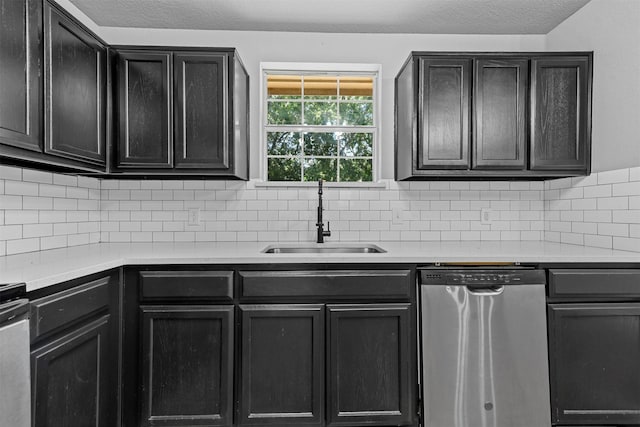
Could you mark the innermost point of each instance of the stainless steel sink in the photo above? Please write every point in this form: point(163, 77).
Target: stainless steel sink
point(324, 248)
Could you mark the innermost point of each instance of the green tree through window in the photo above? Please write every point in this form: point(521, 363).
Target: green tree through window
point(320, 127)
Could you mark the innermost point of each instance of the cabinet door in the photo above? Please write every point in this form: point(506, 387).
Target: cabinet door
point(71, 376)
point(500, 125)
point(144, 110)
point(75, 90)
point(594, 351)
point(20, 73)
point(561, 113)
point(282, 365)
point(371, 367)
point(444, 131)
point(201, 105)
point(187, 370)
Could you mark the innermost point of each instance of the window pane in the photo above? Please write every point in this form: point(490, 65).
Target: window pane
point(321, 144)
point(315, 169)
point(284, 86)
point(320, 113)
point(354, 170)
point(356, 87)
point(284, 169)
point(321, 86)
point(283, 143)
point(356, 113)
point(356, 144)
point(284, 113)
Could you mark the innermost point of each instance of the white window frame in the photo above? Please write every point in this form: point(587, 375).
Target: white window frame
point(373, 70)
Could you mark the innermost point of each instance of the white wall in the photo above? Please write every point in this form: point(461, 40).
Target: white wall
point(611, 28)
point(389, 50)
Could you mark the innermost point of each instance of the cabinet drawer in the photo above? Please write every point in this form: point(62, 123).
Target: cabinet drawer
point(56, 311)
point(594, 283)
point(186, 285)
point(338, 284)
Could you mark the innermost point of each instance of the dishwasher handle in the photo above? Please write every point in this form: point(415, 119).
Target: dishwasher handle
point(485, 291)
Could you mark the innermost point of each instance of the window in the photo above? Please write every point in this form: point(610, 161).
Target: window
point(320, 122)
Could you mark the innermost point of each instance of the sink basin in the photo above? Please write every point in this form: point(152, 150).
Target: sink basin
point(324, 248)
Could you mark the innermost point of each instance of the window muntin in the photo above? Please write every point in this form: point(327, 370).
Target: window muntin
point(320, 125)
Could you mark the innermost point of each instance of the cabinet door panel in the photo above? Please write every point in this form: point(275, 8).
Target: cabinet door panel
point(561, 109)
point(20, 84)
point(187, 365)
point(594, 351)
point(282, 368)
point(70, 379)
point(75, 88)
point(369, 365)
point(201, 99)
point(500, 132)
point(444, 109)
point(145, 135)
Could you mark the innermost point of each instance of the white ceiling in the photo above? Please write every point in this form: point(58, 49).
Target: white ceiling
point(337, 16)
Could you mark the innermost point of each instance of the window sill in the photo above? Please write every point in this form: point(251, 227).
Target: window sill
point(310, 184)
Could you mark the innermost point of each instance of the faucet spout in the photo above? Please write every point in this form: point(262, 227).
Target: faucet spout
point(322, 233)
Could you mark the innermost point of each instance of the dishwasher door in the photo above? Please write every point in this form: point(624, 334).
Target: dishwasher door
point(484, 354)
point(15, 384)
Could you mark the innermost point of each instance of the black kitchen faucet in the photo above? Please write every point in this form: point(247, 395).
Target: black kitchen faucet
point(321, 232)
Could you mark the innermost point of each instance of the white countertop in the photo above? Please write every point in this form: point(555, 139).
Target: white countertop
point(45, 268)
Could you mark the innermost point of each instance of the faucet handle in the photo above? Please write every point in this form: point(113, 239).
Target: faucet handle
point(327, 232)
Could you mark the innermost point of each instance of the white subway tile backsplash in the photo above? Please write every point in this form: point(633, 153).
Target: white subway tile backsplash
point(600, 210)
point(21, 188)
point(22, 245)
point(609, 177)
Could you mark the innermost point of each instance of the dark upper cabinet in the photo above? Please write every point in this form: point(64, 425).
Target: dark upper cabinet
point(144, 110)
point(282, 365)
point(182, 112)
point(443, 111)
point(516, 115)
point(500, 119)
point(561, 113)
point(21, 74)
point(187, 365)
point(75, 81)
point(201, 90)
point(594, 349)
point(369, 375)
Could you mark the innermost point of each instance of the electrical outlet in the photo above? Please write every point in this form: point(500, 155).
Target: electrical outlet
point(486, 216)
point(397, 216)
point(193, 216)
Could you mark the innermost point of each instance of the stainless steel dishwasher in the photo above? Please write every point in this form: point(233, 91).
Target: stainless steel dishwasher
point(484, 347)
point(15, 385)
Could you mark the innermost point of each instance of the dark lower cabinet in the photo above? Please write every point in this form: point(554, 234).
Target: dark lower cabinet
point(282, 365)
point(594, 346)
point(369, 376)
point(595, 352)
point(75, 82)
point(75, 349)
point(251, 346)
point(71, 378)
point(187, 366)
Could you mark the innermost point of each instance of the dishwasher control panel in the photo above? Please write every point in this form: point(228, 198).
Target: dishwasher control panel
point(481, 277)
